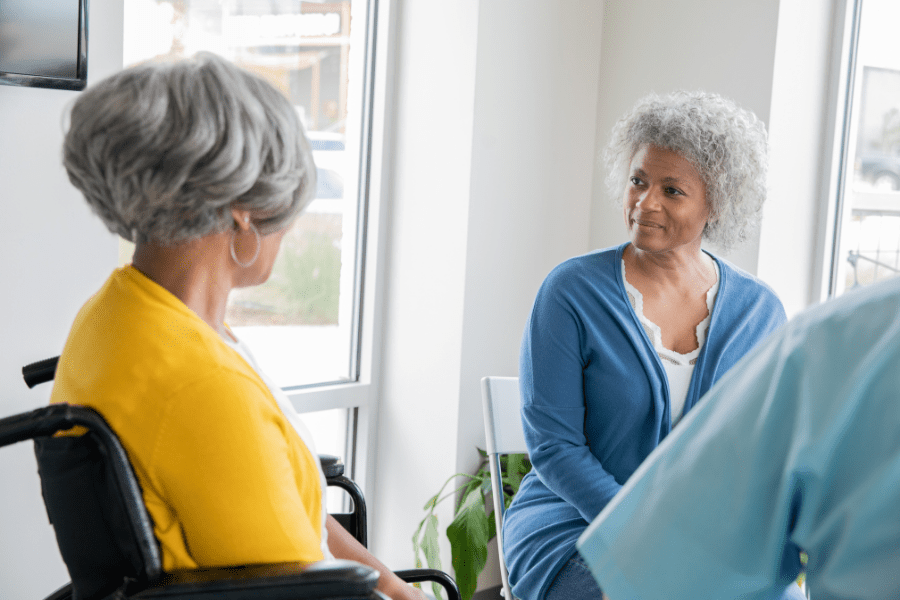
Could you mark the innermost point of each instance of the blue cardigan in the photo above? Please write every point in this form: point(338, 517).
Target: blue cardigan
point(595, 399)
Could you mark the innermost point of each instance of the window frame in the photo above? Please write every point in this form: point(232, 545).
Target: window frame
point(841, 95)
point(359, 397)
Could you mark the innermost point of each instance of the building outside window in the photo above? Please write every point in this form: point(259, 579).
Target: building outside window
point(867, 221)
point(303, 325)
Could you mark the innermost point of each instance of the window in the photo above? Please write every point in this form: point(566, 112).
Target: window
point(304, 324)
point(867, 220)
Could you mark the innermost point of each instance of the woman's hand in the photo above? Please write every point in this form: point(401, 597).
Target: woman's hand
point(402, 590)
point(344, 545)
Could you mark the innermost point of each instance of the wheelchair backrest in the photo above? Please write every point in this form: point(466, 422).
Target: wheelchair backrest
point(94, 503)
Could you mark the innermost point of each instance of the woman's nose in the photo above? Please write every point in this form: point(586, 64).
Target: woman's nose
point(648, 199)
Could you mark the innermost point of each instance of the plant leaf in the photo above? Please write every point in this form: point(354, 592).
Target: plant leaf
point(485, 486)
point(432, 501)
point(517, 465)
point(431, 550)
point(468, 535)
point(472, 484)
point(492, 527)
point(415, 542)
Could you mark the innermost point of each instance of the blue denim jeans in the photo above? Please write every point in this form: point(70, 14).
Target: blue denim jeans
point(573, 582)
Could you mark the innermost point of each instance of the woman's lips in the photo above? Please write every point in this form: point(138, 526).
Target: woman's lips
point(649, 224)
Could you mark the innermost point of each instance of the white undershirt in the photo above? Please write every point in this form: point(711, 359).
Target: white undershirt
point(294, 419)
point(679, 367)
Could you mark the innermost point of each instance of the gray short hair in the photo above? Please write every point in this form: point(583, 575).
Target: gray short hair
point(725, 143)
point(163, 151)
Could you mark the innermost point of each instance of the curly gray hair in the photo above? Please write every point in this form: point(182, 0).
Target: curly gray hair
point(164, 151)
point(726, 144)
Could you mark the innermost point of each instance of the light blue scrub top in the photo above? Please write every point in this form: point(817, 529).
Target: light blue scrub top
point(798, 446)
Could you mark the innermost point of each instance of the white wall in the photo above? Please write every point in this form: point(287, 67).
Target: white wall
point(792, 244)
point(493, 154)
point(727, 47)
point(55, 254)
point(417, 420)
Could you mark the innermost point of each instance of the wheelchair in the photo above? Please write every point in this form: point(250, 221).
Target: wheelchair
point(105, 534)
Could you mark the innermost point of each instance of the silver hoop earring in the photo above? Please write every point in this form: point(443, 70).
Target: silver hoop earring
point(255, 254)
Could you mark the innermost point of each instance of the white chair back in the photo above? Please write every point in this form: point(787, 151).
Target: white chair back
point(502, 417)
point(504, 435)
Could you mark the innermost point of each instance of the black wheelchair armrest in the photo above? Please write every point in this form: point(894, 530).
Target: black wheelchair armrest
point(356, 522)
point(421, 575)
point(64, 593)
point(40, 371)
point(287, 581)
point(332, 466)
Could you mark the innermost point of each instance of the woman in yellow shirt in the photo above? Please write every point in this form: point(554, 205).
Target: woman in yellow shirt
point(203, 166)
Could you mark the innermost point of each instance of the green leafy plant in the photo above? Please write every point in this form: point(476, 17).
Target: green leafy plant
point(473, 526)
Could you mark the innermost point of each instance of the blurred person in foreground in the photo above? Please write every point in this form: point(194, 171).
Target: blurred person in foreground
point(622, 342)
point(204, 167)
point(796, 448)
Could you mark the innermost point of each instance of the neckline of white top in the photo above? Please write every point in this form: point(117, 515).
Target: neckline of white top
point(655, 333)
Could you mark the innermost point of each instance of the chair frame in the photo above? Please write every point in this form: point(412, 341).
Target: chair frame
point(503, 435)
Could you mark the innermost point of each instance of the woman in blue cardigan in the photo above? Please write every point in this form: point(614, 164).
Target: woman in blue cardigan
point(622, 342)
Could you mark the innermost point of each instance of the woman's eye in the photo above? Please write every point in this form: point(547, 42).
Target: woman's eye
point(635, 180)
point(673, 191)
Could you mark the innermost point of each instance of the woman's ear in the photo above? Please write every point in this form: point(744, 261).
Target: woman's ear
point(241, 218)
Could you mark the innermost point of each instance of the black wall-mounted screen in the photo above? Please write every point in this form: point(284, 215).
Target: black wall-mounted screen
point(43, 43)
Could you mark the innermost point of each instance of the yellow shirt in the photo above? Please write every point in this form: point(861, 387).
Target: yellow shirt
point(225, 477)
